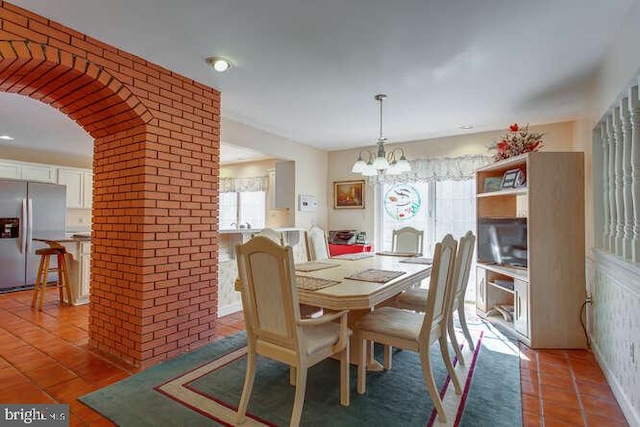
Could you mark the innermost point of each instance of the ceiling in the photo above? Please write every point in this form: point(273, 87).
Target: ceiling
point(308, 70)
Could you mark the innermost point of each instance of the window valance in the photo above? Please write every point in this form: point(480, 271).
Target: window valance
point(236, 185)
point(438, 169)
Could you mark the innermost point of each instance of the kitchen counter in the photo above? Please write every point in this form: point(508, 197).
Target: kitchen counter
point(78, 246)
point(63, 237)
point(228, 298)
point(240, 230)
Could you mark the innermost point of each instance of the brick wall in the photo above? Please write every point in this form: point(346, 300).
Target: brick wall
point(156, 167)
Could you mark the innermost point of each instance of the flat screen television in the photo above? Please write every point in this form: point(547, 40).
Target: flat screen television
point(502, 241)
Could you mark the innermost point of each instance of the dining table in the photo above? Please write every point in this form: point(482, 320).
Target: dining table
point(359, 283)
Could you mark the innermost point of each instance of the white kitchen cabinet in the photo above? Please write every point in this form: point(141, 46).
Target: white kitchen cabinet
point(79, 184)
point(9, 170)
point(27, 171)
point(87, 189)
point(285, 194)
point(42, 173)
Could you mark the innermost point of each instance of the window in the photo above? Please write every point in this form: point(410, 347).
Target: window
point(228, 208)
point(437, 207)
point(242, 208)
point(404, 205)
point(252, 208)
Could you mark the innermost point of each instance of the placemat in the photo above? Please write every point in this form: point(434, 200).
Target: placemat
point(313, 283)
point(313, 266)
point(375, 275)
point(402, 254)
point(355, 256)
point(418, 260)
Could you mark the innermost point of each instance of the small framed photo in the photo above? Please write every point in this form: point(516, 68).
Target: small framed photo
point(492, 183)
point(510, 178)
point(348, 194)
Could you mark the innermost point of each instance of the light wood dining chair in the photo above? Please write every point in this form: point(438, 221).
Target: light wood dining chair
point(272, 234)
point(316, 242)
point(394, 327)
point(275, 236)
point(415, 298)
point(275, 329)
point(407, 239)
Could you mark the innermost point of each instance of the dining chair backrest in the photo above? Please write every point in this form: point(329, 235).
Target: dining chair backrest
point(463, 268)
point(440, 289)
point(407, 239)
point(271, 307)
point(317, 246)
point(270, 233)
point(270, 297)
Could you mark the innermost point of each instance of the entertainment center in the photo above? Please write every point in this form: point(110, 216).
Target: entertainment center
point(531, 262)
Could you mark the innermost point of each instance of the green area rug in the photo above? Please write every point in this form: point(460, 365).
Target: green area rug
point(203, 387)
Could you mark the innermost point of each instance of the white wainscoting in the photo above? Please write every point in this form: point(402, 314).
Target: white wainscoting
point(614, 326)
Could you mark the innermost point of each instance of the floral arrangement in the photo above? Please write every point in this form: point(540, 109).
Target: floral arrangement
point(517, 141)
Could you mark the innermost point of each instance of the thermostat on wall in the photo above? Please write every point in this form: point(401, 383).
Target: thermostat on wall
point(307, 202)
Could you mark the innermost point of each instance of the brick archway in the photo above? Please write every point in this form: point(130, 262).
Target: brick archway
point(154, 242)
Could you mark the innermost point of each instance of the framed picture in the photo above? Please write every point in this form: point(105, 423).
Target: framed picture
point(492, 183)
point(511, 178)
point(348, 194)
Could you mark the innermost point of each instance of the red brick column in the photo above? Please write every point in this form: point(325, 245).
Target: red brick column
point(156, 167)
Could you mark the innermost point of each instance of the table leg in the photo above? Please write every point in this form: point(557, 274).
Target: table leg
point(354, 344)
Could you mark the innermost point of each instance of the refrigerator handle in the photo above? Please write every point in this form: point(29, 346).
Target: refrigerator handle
point(23, 227)
point(30, 225)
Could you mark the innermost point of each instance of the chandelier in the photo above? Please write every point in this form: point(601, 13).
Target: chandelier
point(381, 163)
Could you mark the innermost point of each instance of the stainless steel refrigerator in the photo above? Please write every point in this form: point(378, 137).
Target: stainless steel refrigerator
point(27, 210)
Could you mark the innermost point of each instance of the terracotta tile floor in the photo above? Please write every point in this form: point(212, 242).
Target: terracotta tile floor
point(44, 358)
point(565, 388)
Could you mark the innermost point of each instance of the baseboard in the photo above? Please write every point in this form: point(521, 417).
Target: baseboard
point(229, 309)
point(633, 417)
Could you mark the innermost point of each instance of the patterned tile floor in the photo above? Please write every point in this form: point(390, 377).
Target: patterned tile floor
point(44, 358)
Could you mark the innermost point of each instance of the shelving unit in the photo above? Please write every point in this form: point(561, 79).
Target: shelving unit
point(547, 295)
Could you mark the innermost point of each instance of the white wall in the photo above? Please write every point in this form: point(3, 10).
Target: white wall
point(620, 64)
point(613, 320)
point(45, 157)
point(311, 165)
point(247, 170)
point(557, 137)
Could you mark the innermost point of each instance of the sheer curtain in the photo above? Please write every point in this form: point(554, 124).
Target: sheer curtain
point(437, 169)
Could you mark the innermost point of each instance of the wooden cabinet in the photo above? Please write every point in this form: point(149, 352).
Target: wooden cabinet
point(539, 289)
point(27, 171)
point(79, 183)
point(481, 290)
point(521, 306)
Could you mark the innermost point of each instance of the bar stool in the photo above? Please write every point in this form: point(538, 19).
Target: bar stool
point(43, 273)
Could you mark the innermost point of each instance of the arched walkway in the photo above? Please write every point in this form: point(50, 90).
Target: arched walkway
point(154, 242)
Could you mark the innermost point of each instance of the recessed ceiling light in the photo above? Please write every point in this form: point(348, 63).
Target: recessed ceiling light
point(6, 137)
point(219, 63)
point(465, 127)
